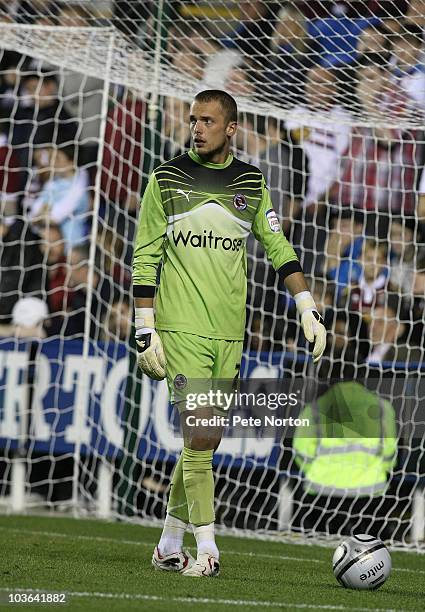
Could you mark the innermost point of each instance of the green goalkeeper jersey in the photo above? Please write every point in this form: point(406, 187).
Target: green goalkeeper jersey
point(195, 217)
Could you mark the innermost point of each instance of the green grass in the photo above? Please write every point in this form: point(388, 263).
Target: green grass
point(106, 566)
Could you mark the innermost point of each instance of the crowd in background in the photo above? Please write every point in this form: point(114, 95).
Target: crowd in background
point(351, 196)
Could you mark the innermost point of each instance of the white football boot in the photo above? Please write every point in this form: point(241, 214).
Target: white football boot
point(176, 562)
point(205, 565)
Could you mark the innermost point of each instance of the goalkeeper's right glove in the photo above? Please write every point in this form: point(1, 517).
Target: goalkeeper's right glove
point(150, 353)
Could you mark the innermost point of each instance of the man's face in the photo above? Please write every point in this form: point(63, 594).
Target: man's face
point(189, 64)
point(238, 82)
point(407, 53)
point(401, 237)
point(416, 11)
point(209, 128)
point(320, 88)
point(43, 91)
point(369, 84)
point(372, 261)
point(371, 41)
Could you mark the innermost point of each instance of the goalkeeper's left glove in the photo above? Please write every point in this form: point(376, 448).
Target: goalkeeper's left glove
point(311, 322)
point(150, 353)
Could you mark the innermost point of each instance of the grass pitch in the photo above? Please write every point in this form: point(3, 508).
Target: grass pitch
point(106, 566)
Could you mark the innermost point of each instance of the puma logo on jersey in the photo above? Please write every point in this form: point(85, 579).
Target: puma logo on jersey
point(185, 193)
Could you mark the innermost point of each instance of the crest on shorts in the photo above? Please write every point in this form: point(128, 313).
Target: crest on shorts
point(239, 202)
point(180, 381)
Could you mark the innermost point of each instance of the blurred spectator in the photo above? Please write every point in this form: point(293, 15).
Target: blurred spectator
point(374, 39)
point(130, 15)
point(373, 283)
point(52, 246)
point(82, 94)
point(386, 331)
point(7, 12)
point(417, 305)
point(322, 129)
point(20, 264)
point(64, 198)
point(262, 141)
point(193, 37)
point(343, 249)
point(74, 15)
point(10, 173)
point(110, 257)
point(10, 65)
point(39, 174)
point(392, 13)
point(402, 254)
point(83, 100)
point(323, 294)
point(37, 12)
point(75, 318)
point(336, 38)
point(40, 117)
point(341, 343)
point(121, 179)
point(176, 127)
point(240, 81)
point(28, 315)
point(416, 13)
point(259, 332)
point(380, 167)
point(190, 64)
point(119, 320)
point(252, 35)
point(293, 53)
point(406, 66)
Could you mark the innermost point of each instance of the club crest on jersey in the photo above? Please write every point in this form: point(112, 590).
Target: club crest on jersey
point(239, 202)
point(271, 217)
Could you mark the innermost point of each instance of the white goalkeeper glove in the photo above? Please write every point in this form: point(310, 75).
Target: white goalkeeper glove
point(150, 353)
point(311, 322)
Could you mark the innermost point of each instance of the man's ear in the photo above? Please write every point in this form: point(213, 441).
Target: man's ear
point(231, 129)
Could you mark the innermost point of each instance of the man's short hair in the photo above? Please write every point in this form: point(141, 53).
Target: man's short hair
point(377, 60)
point(336, 214)
point(227, 103)
point(410, 32)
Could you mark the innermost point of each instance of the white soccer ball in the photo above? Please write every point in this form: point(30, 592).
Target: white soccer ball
point(361, 562)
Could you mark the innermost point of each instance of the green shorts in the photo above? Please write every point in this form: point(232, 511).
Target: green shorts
point(197, 365)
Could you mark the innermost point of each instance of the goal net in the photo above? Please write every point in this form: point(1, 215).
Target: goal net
point(94, 96)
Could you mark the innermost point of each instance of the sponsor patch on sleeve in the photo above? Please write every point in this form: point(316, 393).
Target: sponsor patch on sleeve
point(271, 217)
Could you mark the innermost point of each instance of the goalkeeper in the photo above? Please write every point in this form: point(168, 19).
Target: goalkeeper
point(196, 214)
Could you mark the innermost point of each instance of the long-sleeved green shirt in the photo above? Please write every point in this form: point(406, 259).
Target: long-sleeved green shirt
point(195, 217)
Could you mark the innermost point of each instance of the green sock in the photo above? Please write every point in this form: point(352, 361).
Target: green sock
point(177, 504)
point(199, 485)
